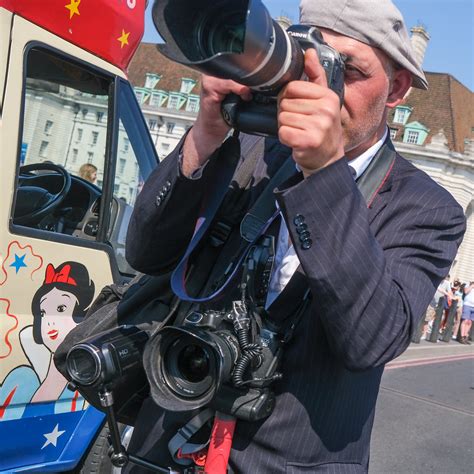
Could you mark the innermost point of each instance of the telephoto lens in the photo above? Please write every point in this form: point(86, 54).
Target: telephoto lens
point(230, 39)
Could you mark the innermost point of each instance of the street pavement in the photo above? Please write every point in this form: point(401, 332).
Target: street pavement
point(424, 421)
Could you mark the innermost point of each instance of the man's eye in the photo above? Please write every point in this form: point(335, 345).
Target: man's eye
point(350, 70)
point(42, 312)
point(355, 73)
point(61, 308)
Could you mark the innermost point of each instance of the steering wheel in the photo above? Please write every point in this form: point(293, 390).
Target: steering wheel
point(33, 203)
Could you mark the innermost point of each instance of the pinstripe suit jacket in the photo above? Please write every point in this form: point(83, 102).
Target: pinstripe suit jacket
point(372, 273)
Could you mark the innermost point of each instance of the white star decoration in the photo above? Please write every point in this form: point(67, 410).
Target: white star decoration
point(52, 438)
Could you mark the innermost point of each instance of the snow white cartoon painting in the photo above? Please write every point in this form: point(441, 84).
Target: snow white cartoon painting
point(58, 306)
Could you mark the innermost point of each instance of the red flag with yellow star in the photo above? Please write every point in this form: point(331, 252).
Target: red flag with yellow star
point(111, 29)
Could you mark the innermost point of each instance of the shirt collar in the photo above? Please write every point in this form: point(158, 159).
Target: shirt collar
point(359, 164)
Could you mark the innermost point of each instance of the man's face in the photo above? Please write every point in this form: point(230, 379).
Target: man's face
point(366, 91)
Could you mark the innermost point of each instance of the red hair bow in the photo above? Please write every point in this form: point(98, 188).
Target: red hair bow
point(62, 276)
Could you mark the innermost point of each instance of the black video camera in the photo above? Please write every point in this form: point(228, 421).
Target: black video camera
point(106, 358)
point(238, 40)
point(111, 361)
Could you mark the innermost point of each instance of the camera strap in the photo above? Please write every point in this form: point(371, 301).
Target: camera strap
point(259, 228)
point(186, 453)
point(377, 173)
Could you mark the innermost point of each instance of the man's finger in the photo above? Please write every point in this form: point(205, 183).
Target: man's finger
point(223, 87)
point(300, 106)
point(313, 69)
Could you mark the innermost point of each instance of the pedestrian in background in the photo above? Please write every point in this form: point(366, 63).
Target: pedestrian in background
point(467, 313)
point(443, 291)
point(457, 291)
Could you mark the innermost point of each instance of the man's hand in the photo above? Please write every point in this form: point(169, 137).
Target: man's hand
point(309, 119)
point(210, 128)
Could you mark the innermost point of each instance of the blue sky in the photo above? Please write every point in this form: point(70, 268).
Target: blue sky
point(450, 24)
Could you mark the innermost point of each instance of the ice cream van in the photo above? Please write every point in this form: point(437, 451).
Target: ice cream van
point(74, 152)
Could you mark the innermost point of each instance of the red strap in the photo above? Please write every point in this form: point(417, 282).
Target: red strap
point(220, 444)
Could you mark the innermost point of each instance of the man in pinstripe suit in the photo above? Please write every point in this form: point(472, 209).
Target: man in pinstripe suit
point(372, 271)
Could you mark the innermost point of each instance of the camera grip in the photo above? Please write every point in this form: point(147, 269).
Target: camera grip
point(257, 117)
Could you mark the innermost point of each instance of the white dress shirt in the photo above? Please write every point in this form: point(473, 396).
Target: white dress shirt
point(286, 259)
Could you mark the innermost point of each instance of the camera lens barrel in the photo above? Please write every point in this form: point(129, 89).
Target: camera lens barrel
point(188, 368)
point(284, 62)
point(84, 364)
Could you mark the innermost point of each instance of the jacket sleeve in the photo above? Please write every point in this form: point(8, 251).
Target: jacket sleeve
point(165, 214)
point(371, 287)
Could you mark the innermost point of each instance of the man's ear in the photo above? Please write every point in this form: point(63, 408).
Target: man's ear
point(399, 86)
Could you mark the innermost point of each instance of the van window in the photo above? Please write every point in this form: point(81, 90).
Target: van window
point(62, 151)
point(78, 127)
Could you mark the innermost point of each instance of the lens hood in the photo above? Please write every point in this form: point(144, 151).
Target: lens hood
point(186, 366)
point(230, 39)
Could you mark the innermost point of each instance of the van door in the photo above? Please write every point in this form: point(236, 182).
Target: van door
point(75, 151)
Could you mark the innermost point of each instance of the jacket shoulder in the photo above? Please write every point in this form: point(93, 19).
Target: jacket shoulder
point(415, 186)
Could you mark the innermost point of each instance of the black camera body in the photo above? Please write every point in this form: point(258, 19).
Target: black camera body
point(212, 360)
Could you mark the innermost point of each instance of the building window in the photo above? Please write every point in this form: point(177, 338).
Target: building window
point(151, 80)
point(90, 157)
point(126, 144)
point(193, 105)
point(139, 95)
point(48, 126)
point(79, 134)
point(122, 164)
point(116, 188)
point(170, 127)
point(99, 116)
point(165, 147)
point(152, 124)
point(84, 113)
point(155, 100)
point(75, 152)
point(393, 133)
point(187, 85)
point(94, 138)
point(43, 151)
point(173, 102)
point(401, 115)
point(412, 137)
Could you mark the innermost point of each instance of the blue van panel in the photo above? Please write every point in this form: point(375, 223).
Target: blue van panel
point(50, 443)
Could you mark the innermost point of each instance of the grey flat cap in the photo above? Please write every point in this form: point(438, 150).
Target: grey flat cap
point(377, 23)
